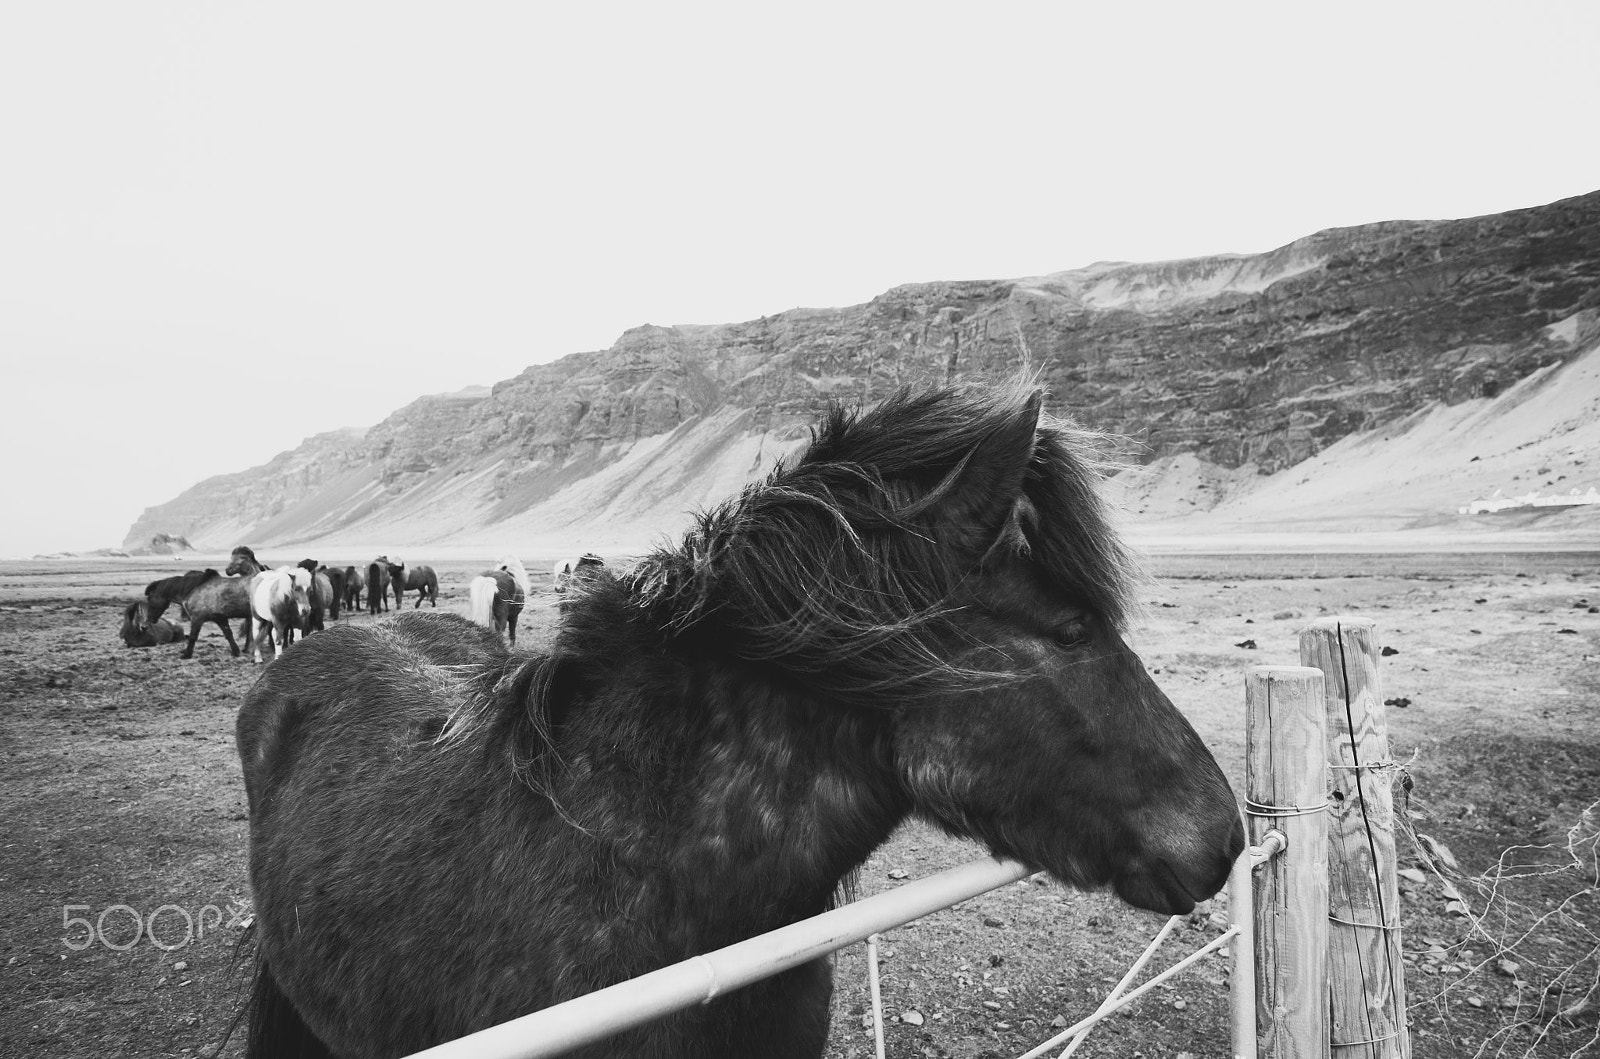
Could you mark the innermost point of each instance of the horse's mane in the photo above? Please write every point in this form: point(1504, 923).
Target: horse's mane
point(837, 564)
point(513, 566)
point(180, 586)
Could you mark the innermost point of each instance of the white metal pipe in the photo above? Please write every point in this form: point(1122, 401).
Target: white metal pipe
point(598, 1015)
point(1127, 979)
point(1110, 1007)
point(877, 996)
point(1242, 980)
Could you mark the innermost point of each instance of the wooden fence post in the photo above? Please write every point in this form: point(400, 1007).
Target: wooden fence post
point(1286, 790)
point(1366, 979)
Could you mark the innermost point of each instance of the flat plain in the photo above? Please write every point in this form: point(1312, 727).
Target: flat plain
point(120, 799)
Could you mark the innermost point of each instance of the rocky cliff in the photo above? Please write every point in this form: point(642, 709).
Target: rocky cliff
point(1245, 363)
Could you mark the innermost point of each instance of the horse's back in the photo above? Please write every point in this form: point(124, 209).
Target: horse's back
point(379, 676)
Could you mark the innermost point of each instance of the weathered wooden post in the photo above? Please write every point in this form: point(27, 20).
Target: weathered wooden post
point(1286, 791)
point(1366, 979)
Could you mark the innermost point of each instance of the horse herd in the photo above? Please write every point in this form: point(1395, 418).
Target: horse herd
point(277, 604)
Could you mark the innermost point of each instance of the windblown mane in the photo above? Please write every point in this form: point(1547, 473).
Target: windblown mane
point(803, 566)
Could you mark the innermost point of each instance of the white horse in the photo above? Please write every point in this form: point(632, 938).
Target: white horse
point(277, 599)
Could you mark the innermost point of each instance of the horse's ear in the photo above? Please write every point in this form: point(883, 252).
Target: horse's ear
point(975, 502)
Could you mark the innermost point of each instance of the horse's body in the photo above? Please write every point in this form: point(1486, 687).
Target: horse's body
point(320, 597)
point(378, 585)
point(277, 599)
point(139, 631)
point(421, 578)
point(335, 577)
point(921, 616)
point(569, 575)
point(204, 596)
point(354, 582)
point(495, 598)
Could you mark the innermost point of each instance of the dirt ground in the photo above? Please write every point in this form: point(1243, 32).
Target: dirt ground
point(121, 799)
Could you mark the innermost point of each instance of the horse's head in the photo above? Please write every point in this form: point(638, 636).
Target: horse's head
point(945, 559)
point(307, 564)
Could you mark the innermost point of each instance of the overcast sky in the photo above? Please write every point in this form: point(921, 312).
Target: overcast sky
point(227, 226)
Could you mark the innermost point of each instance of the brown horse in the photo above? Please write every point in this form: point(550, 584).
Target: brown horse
point(203, 596)
point(421, 578)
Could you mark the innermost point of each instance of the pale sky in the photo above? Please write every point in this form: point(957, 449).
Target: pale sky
point(227, 226)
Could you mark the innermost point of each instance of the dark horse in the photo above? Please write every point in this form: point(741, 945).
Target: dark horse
point(335, 578)
point(139, 631)
point(354, 582)
point(204, 596)
point(422, 578)
point(495, 598)
point(921, 615)
point(320, 597)
point(378, 585)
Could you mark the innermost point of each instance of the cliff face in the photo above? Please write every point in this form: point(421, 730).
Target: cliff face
point(1241, 361)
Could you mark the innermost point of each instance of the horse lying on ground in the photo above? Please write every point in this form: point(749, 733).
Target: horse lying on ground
point(421, 578)
point(139, 631)
point(495, 598)
point(921, 615)
point(204, 596)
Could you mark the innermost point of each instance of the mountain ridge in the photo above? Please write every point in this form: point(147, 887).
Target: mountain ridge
point(1256, 362)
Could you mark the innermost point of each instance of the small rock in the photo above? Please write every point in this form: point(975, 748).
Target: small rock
point(1574, 632)
point(1002, 1025)
point(1475, 1001)
point(181, 965)
point(1509, 968)
point(992, 1005)
point(911, 1018)
point(993, 921)
point(1059, 1022)
point(1400, 701)
point(1248, 645)
point(1180, 1005)
point(1387, 651)
point(898, 873)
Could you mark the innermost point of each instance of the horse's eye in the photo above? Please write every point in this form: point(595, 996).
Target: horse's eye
point(1073, 633)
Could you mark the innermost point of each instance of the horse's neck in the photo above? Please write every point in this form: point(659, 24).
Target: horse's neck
point(746, 791)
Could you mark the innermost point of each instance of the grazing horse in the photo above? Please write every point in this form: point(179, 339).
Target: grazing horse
point(203, 596)
point(319, 596)
point(570, 574)
point(496, 597)
point(921, 615)
point(139, 631)
point(354, 582)
point(421, 578)
point(378, 585)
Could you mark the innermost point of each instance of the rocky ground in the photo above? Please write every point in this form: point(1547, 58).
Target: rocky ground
point(122, 799)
